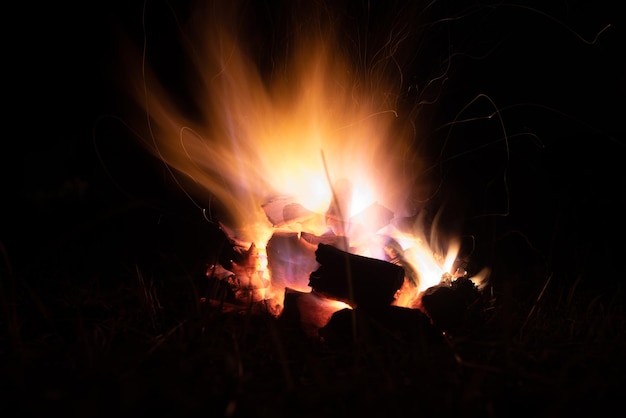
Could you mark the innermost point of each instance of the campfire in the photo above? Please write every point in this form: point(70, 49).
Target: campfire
point(316, 173)
point(318, 275)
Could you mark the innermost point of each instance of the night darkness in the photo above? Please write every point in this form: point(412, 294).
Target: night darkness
point(85, 204)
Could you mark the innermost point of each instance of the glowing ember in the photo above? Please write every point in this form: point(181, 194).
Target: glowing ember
point(315, 153)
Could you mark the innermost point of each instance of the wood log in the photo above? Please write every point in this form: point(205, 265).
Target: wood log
point(290, 260)
point(456, 308)
point(377, 325)
point(354, 279)
point(306, 312)
point(336, 241)
point(281, 211)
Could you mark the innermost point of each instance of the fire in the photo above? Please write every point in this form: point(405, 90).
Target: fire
point(316, 149)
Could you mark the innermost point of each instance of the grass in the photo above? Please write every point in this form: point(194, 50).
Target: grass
point(88, 334)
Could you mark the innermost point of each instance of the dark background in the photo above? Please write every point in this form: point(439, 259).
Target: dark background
point(83, 199)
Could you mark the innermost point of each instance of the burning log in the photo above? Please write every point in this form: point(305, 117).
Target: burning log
point(307, 312)
point(282, 211)
point(453, 306)
point(354, 279)
point(237, 279)
point(328, 239)
point(290, 260)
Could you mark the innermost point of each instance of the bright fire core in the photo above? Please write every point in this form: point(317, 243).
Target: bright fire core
point(319, 135)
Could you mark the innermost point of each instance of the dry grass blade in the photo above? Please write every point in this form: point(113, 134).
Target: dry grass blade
point(536, 304)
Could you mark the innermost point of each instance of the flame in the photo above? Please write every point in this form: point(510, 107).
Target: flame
point(319, 134)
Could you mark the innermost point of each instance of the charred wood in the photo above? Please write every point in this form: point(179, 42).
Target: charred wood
point(455, 308)
point(381, 324)
point(306, 311)
point(354, 279)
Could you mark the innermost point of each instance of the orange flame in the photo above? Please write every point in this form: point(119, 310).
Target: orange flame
point(298, 136)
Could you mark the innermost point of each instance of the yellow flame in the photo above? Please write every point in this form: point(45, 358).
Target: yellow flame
point(295, 135)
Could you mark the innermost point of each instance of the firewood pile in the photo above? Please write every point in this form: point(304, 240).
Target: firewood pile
point(328, 290)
